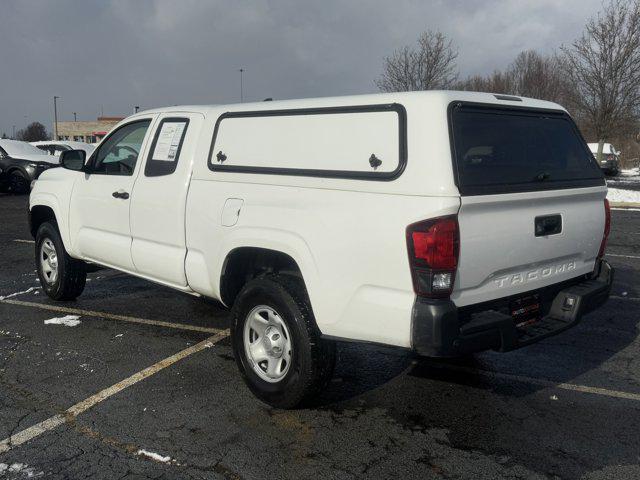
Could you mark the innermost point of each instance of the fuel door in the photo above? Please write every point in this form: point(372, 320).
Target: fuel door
point(231, 211)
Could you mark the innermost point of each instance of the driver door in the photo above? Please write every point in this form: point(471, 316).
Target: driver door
point(99, 211)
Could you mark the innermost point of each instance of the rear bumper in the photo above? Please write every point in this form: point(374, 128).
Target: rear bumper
point(440, 329)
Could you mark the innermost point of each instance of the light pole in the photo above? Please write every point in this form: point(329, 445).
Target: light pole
point(241, 92)
point(13, 136)
point(55, 116)
point(137, 107)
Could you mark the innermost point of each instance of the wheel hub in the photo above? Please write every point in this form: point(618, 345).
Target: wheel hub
point(273, 341)
point(48, 261)
point(267, 344)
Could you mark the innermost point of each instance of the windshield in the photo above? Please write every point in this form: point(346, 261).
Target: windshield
point(15, 148)
point(501, 150)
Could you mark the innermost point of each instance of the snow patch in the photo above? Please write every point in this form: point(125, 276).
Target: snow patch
point(632, 172)
point(28, 290)
point(67, 321)
point(21, 468)
point(153, 456)
point(619, 195)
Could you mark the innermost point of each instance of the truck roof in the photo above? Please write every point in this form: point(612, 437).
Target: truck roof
point(438, 96)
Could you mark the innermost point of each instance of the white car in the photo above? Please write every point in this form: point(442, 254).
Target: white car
point(610, 163)
point(442, 222)
point(55, 147)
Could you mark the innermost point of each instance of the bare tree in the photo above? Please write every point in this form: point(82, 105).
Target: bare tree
point(537, 76)
point(430, 65)
point(497, 82)
point(603, 67)
point(529, 75)
point(33, 132)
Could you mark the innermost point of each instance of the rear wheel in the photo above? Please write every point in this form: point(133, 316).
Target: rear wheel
point(276, 343)
point(61, 277)
point(18, 183)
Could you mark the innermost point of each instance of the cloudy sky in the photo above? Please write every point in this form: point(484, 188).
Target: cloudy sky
point(111, 55)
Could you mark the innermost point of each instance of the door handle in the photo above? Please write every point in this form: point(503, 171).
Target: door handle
point(120, 194)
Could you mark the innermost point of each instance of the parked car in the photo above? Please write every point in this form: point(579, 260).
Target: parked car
point(610, 163)
point(55, 147)
point(442, 222)
point(20, 164)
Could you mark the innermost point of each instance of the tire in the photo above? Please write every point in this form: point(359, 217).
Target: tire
point(70, 274)
point(18, 183)
point(312, 359)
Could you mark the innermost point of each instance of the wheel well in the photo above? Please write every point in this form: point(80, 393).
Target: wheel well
point(14, 169)
point(246, 263)
point(38, 215)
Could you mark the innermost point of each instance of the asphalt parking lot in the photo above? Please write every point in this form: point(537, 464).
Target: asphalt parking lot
point(146, 387)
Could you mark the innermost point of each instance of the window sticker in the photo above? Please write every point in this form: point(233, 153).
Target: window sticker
point(168, 141)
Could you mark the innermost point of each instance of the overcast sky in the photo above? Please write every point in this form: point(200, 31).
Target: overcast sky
point(112, 55)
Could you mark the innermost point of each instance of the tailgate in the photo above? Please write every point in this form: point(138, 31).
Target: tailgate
point(532, 201)
point(500, 254)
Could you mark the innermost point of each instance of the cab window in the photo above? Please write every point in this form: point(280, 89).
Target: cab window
point(118, 154)
point(166, 147)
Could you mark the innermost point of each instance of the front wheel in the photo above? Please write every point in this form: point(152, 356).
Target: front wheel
point(61, 277)
point(276, 343)
point(18, 183)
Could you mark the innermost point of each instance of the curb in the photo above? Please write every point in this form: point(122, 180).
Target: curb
point(625, 204)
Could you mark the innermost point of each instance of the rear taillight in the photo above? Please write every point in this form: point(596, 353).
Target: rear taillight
point(607, 228)
point(433, 255)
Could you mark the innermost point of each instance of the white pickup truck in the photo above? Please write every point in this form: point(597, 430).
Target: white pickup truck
point(442, 222)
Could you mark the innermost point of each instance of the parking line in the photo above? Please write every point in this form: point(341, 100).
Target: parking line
point(625, 256)
point(112, 316)
point(619, 297)
point(19, 240)
point(81, 407)
point(541, 382)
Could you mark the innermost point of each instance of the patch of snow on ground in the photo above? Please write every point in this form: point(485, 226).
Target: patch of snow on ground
point(28, 290)
point(67, 321)
point(154, 456)
point(21, 468)
point(632, 172)
point(619, 195)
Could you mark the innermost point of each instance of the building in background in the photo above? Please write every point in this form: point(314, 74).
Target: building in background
point(89, 132)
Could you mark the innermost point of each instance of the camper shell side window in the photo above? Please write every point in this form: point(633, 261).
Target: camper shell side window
point(356, 142)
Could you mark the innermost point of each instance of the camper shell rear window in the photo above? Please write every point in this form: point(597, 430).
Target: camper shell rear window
point(506, 149)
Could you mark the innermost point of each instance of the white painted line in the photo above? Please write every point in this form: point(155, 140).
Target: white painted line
point(624, 256)
point(542, 382)
point(19, 240)
point(28, 290)
point(81, 407)
point(619, 297)
point(111, 316)
point(626, 209)
point(30, 433)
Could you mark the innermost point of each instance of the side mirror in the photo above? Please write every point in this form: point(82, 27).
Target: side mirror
point(73, 159)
